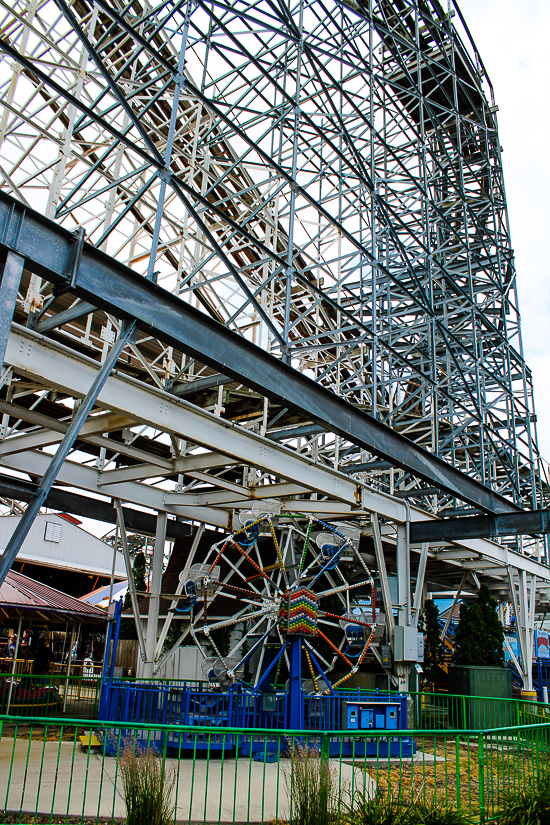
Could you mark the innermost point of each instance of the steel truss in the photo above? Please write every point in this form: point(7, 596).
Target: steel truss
point(325, 182)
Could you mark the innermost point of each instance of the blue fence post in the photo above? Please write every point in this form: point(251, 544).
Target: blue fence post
point(107, 673)
point(295, 710)
point(116, 617)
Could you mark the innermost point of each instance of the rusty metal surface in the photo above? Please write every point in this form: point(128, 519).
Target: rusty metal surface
point(19, 592)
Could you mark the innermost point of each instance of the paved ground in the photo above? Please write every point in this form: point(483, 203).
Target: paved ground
point(60, 778)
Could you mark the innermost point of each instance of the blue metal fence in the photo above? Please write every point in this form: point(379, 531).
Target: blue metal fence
point(181, 703)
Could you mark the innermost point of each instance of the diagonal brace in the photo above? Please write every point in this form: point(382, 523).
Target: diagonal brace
point(32, 508)
point(64, 317)
point(131, 582)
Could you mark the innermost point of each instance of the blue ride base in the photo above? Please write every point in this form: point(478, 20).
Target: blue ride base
point(242, 707)
point(254, 709)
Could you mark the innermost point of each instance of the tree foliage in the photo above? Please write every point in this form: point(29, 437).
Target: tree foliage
point(127, 626)
point(138, 571)
point(479, 635)
point(433, 646)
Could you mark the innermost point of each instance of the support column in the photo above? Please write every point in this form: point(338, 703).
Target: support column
point(419, 587)
point(403, 576)
point(526, 625)
point(9, 284)
point(68, 668)
point(154, 596)
point(26, 521)
point(383, 573)
point(14, 664)
point(295, 703)
point(403, 669)
point(130, 576)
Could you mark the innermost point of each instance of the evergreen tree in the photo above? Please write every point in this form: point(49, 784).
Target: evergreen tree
point(127, 626)
point(433, 646)
point(479, 635)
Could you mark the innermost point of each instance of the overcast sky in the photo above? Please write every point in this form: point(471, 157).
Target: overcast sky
point(512, 39)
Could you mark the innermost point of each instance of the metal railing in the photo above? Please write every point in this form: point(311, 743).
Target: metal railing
point(25, 666)
point(176, 703)
point(183, 702)
point(439, 711)
point(55, 768)
point(27, 695)
point(79, 697)
point(447, 711)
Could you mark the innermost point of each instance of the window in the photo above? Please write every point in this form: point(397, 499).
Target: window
point(52, 532)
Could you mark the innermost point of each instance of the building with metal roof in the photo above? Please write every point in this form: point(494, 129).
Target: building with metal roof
point(61, 554)
point(22, 596)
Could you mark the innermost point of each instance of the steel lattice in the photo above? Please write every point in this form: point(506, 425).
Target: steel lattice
point(323, 178)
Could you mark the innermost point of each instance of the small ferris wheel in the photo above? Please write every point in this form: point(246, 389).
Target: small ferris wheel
point(293, 598)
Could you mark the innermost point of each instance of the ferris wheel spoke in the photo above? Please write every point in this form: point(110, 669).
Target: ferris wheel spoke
point(343, 596)
point(239, 596)
point(249, 653)
point(318, 655)
point(236, 569)
point(312, 563)
point(335, 648)
point(242, 641)
point(328, 622)
point(278, 550)
point(255, 565)
point(195, 638)
point(340, 589)
point(207, 629)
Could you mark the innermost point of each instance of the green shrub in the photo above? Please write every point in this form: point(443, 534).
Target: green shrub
point(479, 638)
point(312, 786)
point(434, 812)
point(388, 809)
point(147, 787)
point(529, 805)
point(380, 809)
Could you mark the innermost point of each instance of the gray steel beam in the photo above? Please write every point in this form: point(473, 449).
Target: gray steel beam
point(365, 467)
point(114, 287)
point(504, 524)
point(9, 284)
point(65, 369)
point(46, 482)
point(296, 432)
point(57, 499)
point(153, 610)
point(200, 385)
point(130, 576)
point(71, 314)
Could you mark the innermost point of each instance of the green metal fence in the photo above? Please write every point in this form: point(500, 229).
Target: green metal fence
point(443, 710)
point(29, 695)
point(51, 770)
point(446, 711)
point(78, 697)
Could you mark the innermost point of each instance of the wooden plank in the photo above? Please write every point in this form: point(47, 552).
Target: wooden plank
point(89, 741)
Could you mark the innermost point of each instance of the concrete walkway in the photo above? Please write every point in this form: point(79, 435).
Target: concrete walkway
point(61, 779)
